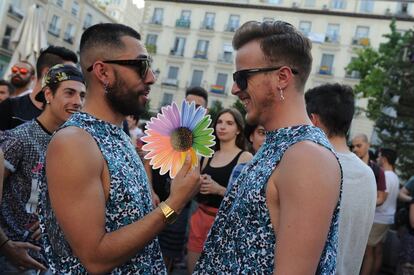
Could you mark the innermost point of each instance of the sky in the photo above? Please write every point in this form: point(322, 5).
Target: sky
point(139, 3)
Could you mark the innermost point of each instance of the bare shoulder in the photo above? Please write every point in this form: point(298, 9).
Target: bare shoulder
point(307, 161)
point(245, 157)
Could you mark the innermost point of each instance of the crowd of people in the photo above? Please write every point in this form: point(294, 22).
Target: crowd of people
point(284, 192)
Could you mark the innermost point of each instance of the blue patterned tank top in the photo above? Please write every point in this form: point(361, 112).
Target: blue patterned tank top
point(242, 239)
point(129, 200)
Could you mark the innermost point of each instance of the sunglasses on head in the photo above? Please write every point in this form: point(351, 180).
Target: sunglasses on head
point(141, 64)
point(21, 70)
point(241, 77)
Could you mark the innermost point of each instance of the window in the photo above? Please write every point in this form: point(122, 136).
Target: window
point(208, 22)
point(197, 78)
point(5, 43)
point(305, 27)
point(274, 1)
point(362, 32)
point(227, 55)
point(157, 16)
point(59, 3)
point(326, 64)
point(234, 21)
point(88, 21)
point(332, 33)
point(179, 45)
point(167, 99)
point(184, 20)
point(338, 4)
point(151, 39)
point(185, 15)
point(309, 3)
point(202, 48)
point(268, 19)
point(404, 8)
point(173, 72)
point(69, 33)
point(222, 80)
point(366, 6)
point(75, 8)
point(54, 25)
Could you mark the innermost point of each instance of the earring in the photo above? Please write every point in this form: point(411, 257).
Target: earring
point(282, 98)
point(47, 102)
point(106, 85)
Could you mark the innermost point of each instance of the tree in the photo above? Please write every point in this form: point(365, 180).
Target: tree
point(215, 108)
point(387, 80)
point(240, 107)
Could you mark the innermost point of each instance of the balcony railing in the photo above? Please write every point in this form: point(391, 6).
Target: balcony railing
point(175, 52)
point(332, 39)
point(183, 23)
point(207, 26)
point(225, 58)
point(230, 28)
point(170, 82)
point(325, 70)
point(361, 41)
point(68, 38)
point(156, 21)
point(353, 75)
point(200, 54)
point(151, 48)
point(54, 30)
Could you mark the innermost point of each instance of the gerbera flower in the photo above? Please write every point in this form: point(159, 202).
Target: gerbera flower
point(174, 134)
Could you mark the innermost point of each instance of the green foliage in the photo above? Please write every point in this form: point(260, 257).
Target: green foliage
point(240, 107)
point(215, 108)
point(387, 80)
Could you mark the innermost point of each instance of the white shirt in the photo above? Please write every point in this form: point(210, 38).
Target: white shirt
point(384, 214)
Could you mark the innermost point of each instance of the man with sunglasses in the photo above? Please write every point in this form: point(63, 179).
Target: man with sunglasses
point(96, 208)
point(22, 76)
point(280, 215)
point(17, 110)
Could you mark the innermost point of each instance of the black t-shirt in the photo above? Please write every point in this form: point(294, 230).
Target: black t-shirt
point(17, 110)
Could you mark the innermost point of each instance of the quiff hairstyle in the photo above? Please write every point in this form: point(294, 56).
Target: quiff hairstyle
point(281, 43)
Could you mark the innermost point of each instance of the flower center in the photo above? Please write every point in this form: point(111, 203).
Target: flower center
point(181, 139)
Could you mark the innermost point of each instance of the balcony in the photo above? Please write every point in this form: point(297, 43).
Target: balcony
point(200, 54)
point(175, 52)
point(226, 58)
point(156, 21)
point(207, 26)
point(53, 30)
point(68, 38)
point(170, 82)
point(334, 39)
point(353, 75)
point(183, 23)
point(15, 12)
point(230, 28)
point(151, 48)
point(325, 70)
point(361, 41)
point(217, 89)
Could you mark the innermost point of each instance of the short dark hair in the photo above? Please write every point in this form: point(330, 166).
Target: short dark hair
point(238, 118)
point(104, 37)
point(52, 56)
point(197, 91)
point(335, 105)
point(281, 43)
point(8, 84)
point(389, 154)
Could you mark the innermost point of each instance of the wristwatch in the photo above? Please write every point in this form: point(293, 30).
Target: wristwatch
point(169, 213)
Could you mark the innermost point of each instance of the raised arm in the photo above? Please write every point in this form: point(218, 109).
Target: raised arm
point(75, 171)
point(306, 188)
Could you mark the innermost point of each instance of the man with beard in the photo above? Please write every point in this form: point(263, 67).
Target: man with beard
point(280, 215)
point(17, 110)
point(96, 212)
point(22, 76)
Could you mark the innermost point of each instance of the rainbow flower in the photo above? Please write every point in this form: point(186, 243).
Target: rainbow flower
point(174, 134)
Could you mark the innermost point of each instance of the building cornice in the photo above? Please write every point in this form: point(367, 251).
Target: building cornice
point(292, 9)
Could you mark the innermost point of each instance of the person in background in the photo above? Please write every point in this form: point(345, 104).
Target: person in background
point(407, 191)
point(6, 90)
point(22, 77)
point(331, 108)
point(230, 150)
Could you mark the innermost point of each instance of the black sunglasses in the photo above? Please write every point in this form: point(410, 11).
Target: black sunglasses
point(142, 64)
point(240, 77)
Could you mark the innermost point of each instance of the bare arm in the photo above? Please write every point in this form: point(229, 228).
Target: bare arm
point(405, 195)
point(411, 217)
point(381, 197)
point(77, 197)
point(306, 184)
point(245, 157)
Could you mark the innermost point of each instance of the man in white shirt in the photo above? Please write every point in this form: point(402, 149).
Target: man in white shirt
point(331, 108)
point(384, 214)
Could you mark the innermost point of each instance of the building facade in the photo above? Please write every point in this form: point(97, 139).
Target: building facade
point(191, 41)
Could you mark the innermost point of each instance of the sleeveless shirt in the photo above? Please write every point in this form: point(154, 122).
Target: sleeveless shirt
point(129, 200)
point(221, 175)
point(242, 239)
